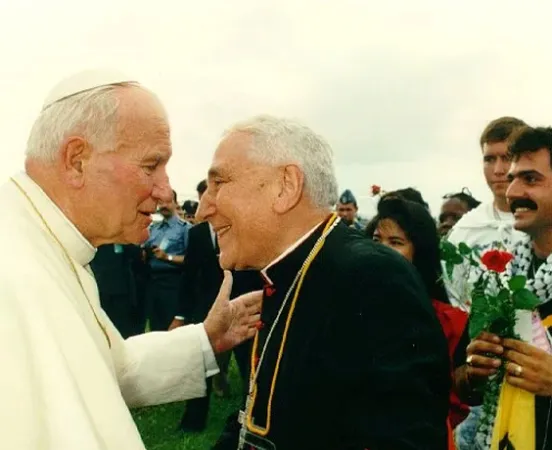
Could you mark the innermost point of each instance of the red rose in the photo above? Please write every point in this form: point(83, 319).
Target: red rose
point(375, 189)
point(496, 260)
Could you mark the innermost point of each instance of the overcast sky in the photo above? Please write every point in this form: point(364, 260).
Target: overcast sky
point(401, 89)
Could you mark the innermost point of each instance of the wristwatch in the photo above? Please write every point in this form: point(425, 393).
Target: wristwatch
point(170, 258)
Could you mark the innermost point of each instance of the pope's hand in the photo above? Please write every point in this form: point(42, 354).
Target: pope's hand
point(230, 323)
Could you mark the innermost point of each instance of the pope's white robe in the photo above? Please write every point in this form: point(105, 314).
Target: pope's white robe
point(62, 387)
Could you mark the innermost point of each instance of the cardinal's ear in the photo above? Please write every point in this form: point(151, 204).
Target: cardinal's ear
point(290, 188)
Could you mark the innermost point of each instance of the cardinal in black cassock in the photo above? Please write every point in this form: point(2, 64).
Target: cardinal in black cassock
point(359, 361)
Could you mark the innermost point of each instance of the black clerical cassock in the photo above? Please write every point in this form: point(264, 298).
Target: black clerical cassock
point(358, 361)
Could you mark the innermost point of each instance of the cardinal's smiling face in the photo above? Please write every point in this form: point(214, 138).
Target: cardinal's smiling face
point(238, 204)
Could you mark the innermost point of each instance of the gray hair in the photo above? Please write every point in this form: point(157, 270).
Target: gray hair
point(282, 141)
point(91, 114)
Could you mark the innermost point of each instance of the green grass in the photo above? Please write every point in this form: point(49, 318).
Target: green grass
point(158, 424)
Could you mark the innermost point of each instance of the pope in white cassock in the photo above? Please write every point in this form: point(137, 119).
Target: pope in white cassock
point(94, 173)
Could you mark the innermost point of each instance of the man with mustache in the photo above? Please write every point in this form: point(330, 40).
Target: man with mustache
point(529, 360)
point(165, 249)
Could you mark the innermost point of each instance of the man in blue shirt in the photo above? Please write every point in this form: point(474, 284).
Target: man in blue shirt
point(165, 252)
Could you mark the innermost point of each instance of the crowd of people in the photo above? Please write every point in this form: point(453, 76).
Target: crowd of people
point(347, 331)
point(403, 222)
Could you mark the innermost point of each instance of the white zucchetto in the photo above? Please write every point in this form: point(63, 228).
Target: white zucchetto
point(84, 81)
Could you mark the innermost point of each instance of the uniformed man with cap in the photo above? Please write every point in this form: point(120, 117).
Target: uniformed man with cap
point(189, 208)
point(347, 209)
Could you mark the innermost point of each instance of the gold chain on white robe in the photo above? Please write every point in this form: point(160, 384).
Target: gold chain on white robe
point(67, 256)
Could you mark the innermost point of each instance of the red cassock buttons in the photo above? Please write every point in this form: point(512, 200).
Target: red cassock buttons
point(269, 291)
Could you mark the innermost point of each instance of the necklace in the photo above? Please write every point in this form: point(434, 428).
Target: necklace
point(495, 213)
point(255, 368)
point(66, 254)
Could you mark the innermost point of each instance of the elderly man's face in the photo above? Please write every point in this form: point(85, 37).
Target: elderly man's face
point(239, 204)
point(124, 187)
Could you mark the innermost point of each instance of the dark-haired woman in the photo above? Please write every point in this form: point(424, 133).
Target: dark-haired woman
point(408, 228)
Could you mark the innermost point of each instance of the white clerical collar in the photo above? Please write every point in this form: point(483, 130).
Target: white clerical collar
point(71, 238)
point(213, 235)
point(290, 249)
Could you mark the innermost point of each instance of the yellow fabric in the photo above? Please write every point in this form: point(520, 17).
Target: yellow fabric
point(547, 321)
point(515, 418)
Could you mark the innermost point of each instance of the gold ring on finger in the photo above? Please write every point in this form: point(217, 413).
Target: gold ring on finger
point(518, 371)
point(469, 360)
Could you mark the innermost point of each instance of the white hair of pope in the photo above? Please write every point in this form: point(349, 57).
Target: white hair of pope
point(91, 114)
point(278, 141)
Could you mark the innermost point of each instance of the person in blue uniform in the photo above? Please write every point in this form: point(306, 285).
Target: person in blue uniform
point(165, 250)
point(189, 208)
point(347, 209)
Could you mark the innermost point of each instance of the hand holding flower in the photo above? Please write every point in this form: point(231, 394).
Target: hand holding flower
point(480, 364)
point(528, 367)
